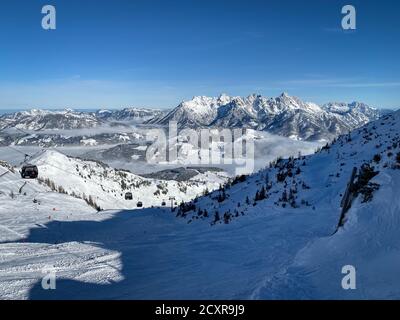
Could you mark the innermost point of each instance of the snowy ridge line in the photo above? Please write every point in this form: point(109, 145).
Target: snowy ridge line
point(31, 157)
point(284, 115)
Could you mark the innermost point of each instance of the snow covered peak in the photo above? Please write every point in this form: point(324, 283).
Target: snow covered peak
point(200, 101)
point(337, 107)
point(224, 99)
point(284, 95)
point(284, 115)
point(101, 111)
point(35, 112)
point(131, 114)
point(290, 101)
point(352, 108)
point(37, 119)
point(51, 157)
point(361, 107)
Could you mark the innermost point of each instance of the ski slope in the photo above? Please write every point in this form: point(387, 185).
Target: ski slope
point(270, 250)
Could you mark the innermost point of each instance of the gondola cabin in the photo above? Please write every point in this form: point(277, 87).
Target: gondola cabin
point(139, 204)
point(128, 196)
point(163, 204)
point(29, 171)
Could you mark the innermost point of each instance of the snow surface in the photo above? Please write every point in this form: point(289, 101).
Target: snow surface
point(268, 252)
point(107, 186)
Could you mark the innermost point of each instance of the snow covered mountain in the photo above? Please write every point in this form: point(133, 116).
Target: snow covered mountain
point(68, 119)
point(138, 115)
point(285, 115)
point(279, 233)
point(290, 185)
point(36, 119)
point(59, 128)
point(52, 139)
point(106, 186)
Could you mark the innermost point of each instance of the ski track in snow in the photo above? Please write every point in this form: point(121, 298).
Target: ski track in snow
point(270, 252)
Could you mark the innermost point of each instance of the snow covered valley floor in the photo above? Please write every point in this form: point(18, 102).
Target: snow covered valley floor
point(270, 235)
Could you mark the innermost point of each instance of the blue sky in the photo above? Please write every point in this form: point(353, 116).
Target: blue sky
point(157, 53)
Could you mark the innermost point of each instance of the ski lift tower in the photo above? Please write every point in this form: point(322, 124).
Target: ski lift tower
point(172, 199)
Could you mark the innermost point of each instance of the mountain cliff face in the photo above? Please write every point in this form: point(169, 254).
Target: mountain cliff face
point(284, 115)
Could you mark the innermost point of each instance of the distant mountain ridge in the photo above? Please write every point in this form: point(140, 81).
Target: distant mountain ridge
point(37, 119)
point(68, 119)
point(129, 114)
point(284, 115)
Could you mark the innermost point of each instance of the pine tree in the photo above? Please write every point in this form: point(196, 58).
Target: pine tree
point(284, 196)
point(227, 217)
point(262, 193)
point(216, 217)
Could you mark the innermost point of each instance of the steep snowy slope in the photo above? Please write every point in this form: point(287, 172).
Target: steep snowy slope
point(292, 183)
point(369, 242)
point(107, 186)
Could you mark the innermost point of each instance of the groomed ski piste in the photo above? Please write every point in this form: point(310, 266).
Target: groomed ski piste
point(272, 248)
